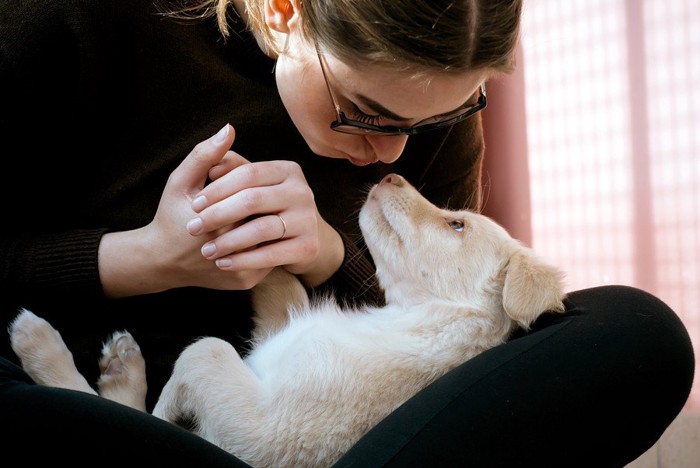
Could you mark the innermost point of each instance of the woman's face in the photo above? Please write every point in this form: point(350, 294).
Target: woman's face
point(399, 98)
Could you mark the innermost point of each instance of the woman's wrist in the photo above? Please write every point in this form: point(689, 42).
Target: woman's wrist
point(127, 266)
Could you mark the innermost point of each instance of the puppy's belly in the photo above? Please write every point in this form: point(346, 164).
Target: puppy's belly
point(350, 359)
point(329, 377)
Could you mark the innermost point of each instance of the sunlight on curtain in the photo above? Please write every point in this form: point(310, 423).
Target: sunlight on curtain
point(613, 112)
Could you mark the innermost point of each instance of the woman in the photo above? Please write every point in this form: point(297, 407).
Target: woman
point(127, 213)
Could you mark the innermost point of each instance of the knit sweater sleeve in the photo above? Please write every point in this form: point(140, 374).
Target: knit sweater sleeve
point(52, 265)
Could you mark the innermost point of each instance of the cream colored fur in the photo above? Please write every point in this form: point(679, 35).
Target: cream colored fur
point(318, 377)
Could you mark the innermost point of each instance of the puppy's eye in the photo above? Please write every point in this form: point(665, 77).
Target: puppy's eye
point(456, 224)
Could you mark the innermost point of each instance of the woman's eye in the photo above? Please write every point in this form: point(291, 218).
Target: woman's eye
point(456, 224)
point(360, 116)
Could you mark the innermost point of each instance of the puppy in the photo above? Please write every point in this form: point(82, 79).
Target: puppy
point(318, 377)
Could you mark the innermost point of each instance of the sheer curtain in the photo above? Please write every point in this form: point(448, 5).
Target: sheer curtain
point(602, 121)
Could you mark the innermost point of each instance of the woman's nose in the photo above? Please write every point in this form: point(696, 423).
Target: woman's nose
point(387, 148)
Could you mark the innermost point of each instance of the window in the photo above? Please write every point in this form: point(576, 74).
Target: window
point(613, 106)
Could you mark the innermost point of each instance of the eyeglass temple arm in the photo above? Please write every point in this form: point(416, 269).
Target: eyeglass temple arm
point(328, 85)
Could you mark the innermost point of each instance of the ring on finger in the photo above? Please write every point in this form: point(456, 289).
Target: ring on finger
point(284, 227)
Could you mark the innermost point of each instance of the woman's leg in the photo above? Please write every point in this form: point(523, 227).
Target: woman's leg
point(52, 425)
point(595, 387)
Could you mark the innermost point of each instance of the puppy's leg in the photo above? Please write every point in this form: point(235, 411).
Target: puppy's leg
point(213, 390)
point(44, 355)
point(272, 299)
point(123, 368)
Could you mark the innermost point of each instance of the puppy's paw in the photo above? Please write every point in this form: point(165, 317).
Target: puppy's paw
point(43, 354)
point(119, 354)
point(38, 345)
point(123, 371)
point(26, 331)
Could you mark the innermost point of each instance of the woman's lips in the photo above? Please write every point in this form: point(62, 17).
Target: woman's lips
point(357, 162)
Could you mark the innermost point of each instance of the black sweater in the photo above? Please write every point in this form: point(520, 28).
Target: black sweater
point(100, 100)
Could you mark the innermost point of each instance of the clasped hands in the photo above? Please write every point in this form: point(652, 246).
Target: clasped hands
point(227, 234)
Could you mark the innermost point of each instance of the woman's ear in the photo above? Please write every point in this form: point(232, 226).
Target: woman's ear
point(281, 14)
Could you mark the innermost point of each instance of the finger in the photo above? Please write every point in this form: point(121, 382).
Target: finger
point(261, 230)
point(243, 205)
point(259, 174)
point(269, 256)
point(193, 172)
point(230, 161)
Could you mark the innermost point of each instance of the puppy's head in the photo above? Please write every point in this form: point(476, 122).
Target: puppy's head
point(424, 253)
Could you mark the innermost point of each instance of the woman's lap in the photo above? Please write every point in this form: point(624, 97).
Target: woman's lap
point(49, 425)
point(594, 387)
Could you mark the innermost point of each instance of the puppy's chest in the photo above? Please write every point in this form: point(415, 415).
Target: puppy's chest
point(314, 345)
point(309, 340)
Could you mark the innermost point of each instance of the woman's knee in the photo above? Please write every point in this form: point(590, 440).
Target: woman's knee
point(647, 345)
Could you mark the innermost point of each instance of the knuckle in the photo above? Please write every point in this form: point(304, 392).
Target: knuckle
point(261, 228)
point(272, 259)
point(310, 248)
point(251, 200)
point(211, 216)
point(305, 193)
point(248, 173)
point(293, 167)
point(198, 151)
point(310, 221)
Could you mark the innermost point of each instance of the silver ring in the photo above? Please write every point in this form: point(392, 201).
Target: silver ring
point(284, 228)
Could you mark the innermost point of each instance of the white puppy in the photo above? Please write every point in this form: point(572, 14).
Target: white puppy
point(317, 377)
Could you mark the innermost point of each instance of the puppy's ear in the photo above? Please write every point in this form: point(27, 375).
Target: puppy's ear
point(531, 288)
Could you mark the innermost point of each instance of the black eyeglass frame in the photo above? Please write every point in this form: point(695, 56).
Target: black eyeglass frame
point(344, 125)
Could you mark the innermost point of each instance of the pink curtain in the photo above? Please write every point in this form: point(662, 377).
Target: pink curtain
point(505, 174)
point(593, 146)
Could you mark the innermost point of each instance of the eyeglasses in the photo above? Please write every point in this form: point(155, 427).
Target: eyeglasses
point(345, 125)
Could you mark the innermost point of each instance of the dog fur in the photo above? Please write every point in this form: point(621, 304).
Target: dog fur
point(319, 377)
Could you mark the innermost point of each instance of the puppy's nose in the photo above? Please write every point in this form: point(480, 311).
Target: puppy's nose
point(394, 179)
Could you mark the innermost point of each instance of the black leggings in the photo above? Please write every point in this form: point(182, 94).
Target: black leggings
point(595, 387)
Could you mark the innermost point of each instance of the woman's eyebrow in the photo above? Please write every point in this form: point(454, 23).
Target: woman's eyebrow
point(383, 111)
point(379, 109)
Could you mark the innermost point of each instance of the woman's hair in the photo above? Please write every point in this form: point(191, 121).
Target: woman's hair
point(448, 35)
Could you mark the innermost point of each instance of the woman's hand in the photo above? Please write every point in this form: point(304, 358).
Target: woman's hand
point(259, 215)
point(164, 255)
point(227, 235)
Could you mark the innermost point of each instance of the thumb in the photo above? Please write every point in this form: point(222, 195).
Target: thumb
point(193, 171)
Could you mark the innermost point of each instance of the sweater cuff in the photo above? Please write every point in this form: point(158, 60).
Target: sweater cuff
point(64, 263)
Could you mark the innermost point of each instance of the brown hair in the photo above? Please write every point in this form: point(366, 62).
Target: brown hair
point(448, 35)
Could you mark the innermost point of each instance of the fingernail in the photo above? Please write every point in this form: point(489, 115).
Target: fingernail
point(199, 203)
point(221, 136)
point(208, 249)
point(194, 226)
point(224, 263)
